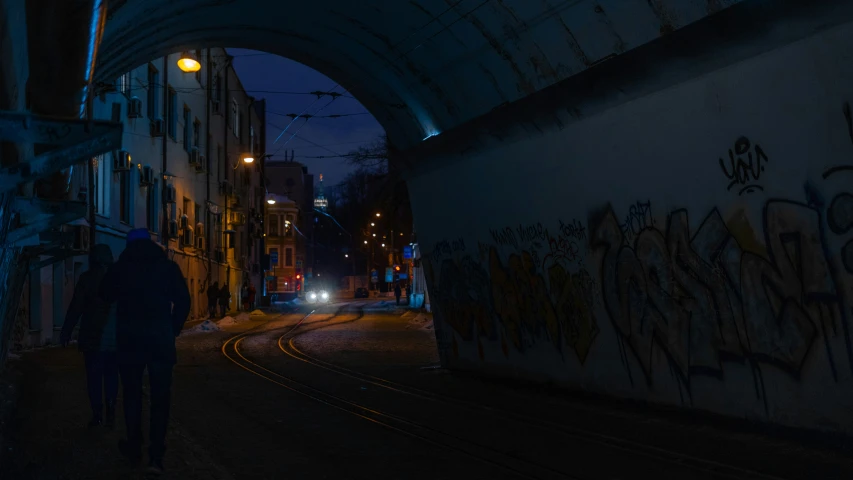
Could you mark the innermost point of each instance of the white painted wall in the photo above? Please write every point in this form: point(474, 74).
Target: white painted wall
point(665, 149)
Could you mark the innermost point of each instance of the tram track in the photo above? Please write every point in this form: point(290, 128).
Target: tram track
point(516, 464)
point(520, 468)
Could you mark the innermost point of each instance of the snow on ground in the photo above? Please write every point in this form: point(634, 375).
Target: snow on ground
point(384, 305)
point(257, 313)
point(203, 327)
point(422, 321)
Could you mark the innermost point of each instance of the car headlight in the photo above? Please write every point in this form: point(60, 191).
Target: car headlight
point(325, 295)
point(313, 296)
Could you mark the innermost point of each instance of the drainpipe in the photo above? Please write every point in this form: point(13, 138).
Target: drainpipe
point(164, 233)
point(226, 166)
point(209, 227)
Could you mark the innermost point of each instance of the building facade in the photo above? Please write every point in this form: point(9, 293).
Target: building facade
point(292, 180)
point(284, 276)
point(180, 173)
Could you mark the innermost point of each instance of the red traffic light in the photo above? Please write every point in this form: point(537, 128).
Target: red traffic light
point(397, 267)
point(298, 276)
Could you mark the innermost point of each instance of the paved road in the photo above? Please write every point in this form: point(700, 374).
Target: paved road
point(349, 391)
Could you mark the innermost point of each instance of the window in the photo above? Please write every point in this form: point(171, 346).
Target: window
point(153, 92)
point(188, 205)
point(173, 114)
point(188, 140)
point(217, 88)
point(273, 256)
point(196, 133)
point(123, 84)
point(235, 117)
point(197, 216)
point(198, 73)
point(273, 226)
point(288, 226)
point(152, 208)
point(288, 257)
point(125, 196)
point(103, 167)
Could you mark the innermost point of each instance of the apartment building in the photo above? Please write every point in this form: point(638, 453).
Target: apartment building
point(180, 173)
point(292, 180)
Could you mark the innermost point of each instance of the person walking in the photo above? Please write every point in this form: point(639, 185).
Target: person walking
point(212, 296)
point(224, 299)
point(153, 303)
point(397, 292)
point(244, 296)
point(252, 293)
point(97, 338)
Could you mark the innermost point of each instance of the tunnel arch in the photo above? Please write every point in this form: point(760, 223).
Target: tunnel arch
point(421, 67)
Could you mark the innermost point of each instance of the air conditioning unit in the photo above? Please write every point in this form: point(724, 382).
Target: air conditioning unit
point(134, 108)
point(225, 188)
point(158, 127)
point(146, 178)
point(194, 156)
point(173, 229)
point(238, 218)
point(185, 222)
point(199, 229)
point(187, 239)
point(201, 165)
point(217, 107)
point(169, 194)
point(219, 256)
point(121, 161)
point(199, 242)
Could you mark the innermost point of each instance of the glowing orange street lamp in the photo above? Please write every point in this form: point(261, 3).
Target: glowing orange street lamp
point(187, 63)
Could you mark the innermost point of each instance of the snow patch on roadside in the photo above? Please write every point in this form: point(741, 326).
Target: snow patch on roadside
point(421, 321)
point(203, 327)
point(257, 313)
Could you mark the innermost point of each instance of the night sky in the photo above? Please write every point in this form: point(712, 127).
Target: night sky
point(262, 74)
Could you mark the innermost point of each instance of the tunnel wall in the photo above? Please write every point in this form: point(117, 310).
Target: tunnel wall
point(692, 247)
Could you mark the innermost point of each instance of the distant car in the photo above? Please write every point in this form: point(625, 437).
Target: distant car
point(361, 293)
point(318, 296)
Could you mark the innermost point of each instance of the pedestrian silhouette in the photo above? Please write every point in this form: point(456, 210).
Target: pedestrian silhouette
point(397, 292)
point(153, 303)
point(97, 337)
point(212, 297)
point(224, 298)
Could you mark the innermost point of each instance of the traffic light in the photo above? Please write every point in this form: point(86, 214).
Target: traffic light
point(298, 276)
point(396, 268)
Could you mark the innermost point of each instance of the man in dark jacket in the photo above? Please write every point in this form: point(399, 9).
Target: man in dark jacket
point(224, 300)
point(97, 338)
point(212, 297)
point(153, 304)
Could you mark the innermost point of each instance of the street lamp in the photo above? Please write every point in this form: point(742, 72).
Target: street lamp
point(383, 245)
point(248, 159)
point(374, 234)
point(365, 242)
point(346, 255)
point(372, 224)
point(187, 63)
point(378, 214)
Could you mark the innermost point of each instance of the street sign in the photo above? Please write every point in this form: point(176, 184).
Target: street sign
point(389, 275)
point(274, 257)
point(298, 263)
point(407, 251)
point(403, 276)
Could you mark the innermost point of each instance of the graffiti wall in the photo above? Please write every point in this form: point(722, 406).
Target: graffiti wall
point(693, 247)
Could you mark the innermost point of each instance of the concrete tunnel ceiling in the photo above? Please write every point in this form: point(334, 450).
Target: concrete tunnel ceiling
point(421, 67)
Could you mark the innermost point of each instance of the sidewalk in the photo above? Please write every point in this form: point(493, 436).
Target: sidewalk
point(48, 437)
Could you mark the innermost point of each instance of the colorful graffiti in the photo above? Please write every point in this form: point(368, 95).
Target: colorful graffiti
point(526, 301)
point(703, 297)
